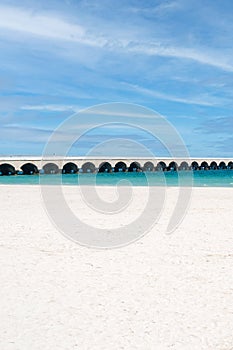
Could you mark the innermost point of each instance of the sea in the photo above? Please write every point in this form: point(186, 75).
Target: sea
point(201, 178)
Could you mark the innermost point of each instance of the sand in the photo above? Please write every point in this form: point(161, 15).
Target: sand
point(161, 292)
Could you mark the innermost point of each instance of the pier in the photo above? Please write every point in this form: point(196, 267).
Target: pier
point(70, 165)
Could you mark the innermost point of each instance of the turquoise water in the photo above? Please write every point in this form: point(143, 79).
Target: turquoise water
point(210, 178)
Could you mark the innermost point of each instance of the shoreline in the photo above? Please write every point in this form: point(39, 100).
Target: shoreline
point(115, 185)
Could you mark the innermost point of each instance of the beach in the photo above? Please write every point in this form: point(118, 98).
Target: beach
point(160, 292)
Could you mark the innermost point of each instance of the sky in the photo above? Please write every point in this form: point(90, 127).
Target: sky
point(60, 57)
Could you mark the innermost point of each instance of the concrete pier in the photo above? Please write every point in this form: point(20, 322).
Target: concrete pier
point(52, 165)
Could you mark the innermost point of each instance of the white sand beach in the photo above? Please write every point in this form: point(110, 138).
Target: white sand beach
point(161, 292)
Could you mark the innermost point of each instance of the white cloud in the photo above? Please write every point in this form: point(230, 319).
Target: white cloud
point(53, 108)
point(200, 55)
point(54, 27)
point(130, 111)
point(160, 9)
point(202, 100)
point(45, 26)
point(167, 6)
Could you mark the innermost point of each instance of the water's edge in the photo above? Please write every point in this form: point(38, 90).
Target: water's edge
point(210, 178)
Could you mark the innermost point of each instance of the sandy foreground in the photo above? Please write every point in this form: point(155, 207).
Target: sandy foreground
point(161, 292)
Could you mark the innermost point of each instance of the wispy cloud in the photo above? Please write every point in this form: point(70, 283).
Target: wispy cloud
point(54, 108)
point(160, 9)
point(112, 110)
point(202, 100)
point(199, 55)
point(19, 19)
point(54, 27)
point(174, 56)
point(15, 132)
point(129, 111)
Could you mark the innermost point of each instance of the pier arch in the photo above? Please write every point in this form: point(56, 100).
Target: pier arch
point(194, 165)
point(173, 166)
point(230, 165)
point(204, 166)
point(88, 167)
point(184, 166)
point(120, 167)
point(148, 166)
point(161, 166)
point(7, 169)
point(222, 166)
point(134, 167)
point(50, 168)
point(29, 169)
point(105, 167)
point(213, 166)
point(70, 168)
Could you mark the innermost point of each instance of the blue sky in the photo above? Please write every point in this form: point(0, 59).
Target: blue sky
point(58, 57)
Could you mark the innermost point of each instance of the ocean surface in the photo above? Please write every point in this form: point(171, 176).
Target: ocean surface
point(201, 178)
